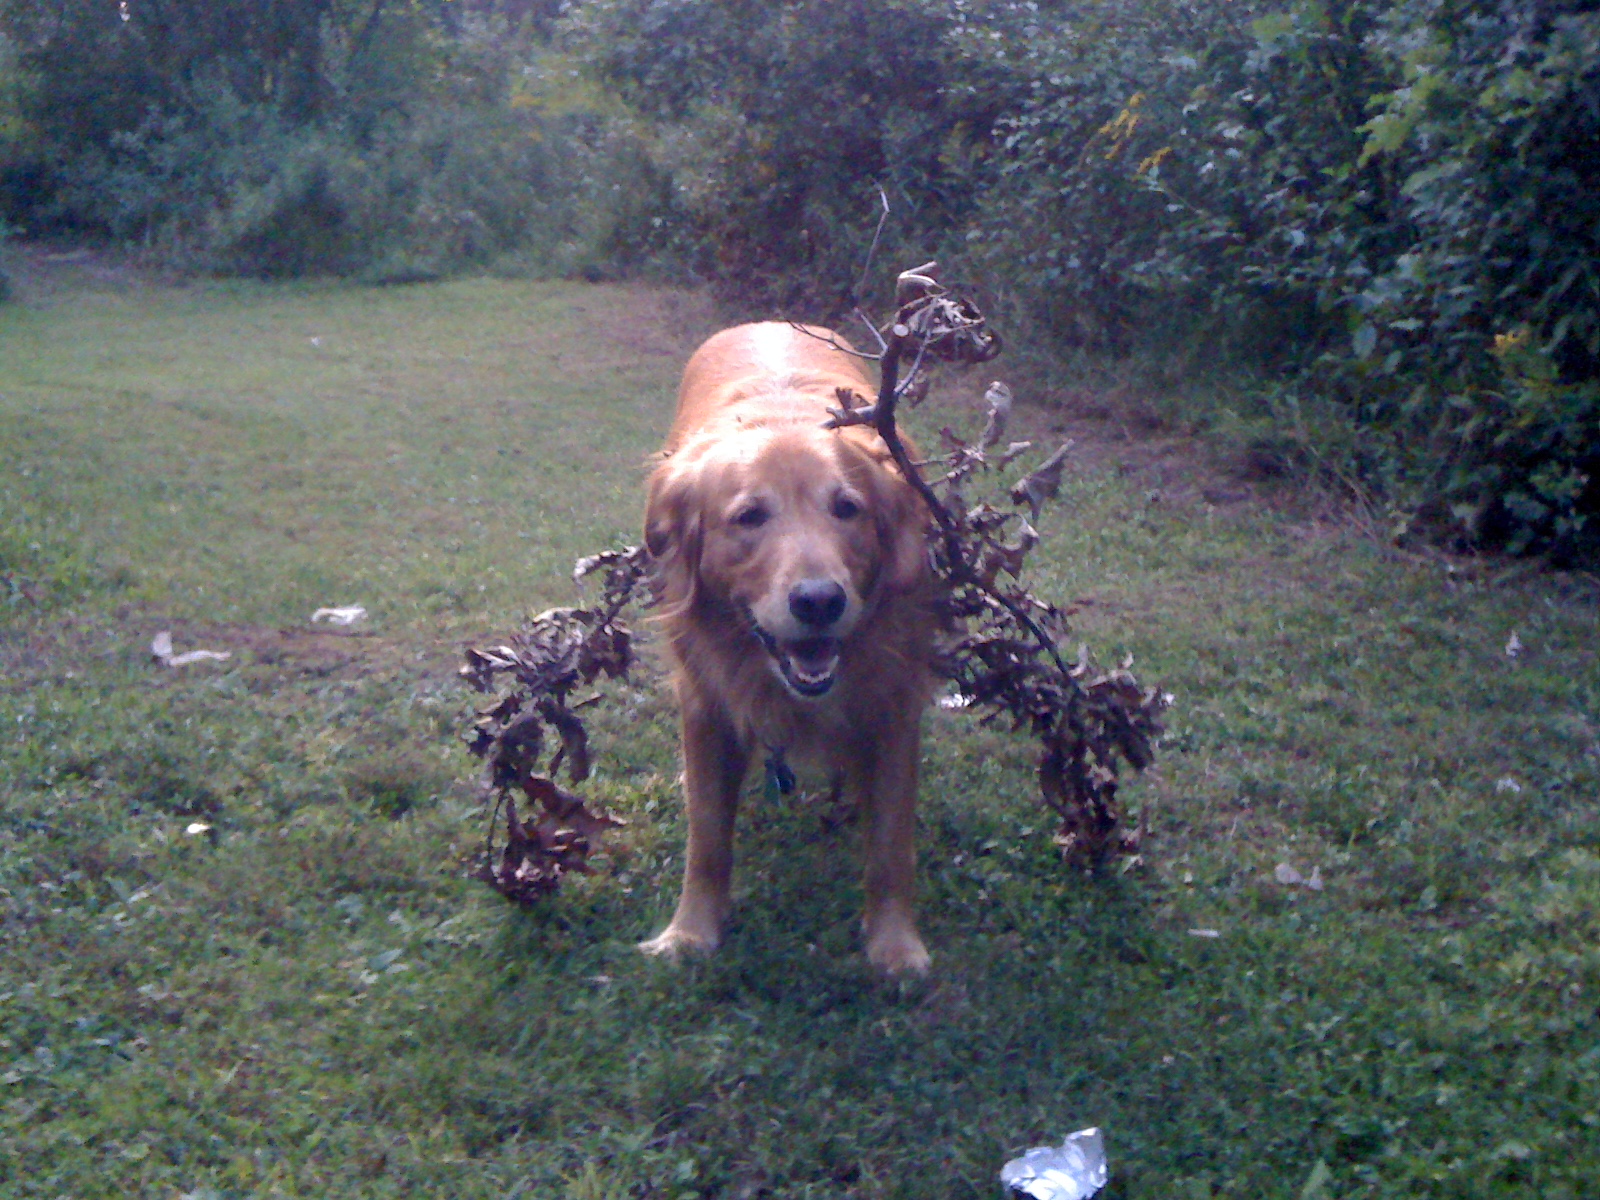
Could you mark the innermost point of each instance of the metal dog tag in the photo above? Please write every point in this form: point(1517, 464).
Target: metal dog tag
point(780, 778)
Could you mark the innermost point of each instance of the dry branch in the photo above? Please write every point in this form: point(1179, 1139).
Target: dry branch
point(1002, 647)
point(556, 653)
point(1003, 651)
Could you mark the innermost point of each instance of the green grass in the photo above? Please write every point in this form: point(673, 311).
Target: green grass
point(309, 1000)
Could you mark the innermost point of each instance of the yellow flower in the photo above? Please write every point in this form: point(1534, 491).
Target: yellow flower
point(1153, 164)
point(1505, 343)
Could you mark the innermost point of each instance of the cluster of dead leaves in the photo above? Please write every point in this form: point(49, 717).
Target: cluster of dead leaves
point(533, 676)
point(1003, 646)
point(1003, 653)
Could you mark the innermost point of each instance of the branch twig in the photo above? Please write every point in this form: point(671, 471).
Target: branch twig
point(872, 250)
point(835, 343)
point(553, 655)
point(1003, 648)
point(1086, 721)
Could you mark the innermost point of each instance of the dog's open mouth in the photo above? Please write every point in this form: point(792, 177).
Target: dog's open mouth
point(808, 665)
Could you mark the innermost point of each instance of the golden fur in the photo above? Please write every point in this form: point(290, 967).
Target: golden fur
point(798, 613)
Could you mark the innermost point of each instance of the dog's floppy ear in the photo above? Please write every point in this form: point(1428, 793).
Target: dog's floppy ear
point(672, 533)
point(903, 526)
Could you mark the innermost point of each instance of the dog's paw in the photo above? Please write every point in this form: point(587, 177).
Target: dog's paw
point(674, 943)
point(898, 951)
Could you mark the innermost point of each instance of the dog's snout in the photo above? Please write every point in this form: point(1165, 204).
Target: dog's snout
point(817, 602)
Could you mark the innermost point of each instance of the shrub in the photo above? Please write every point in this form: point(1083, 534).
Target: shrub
point(1487, 324)
point(1387, 205)
point(399, 153)
point(777, 124)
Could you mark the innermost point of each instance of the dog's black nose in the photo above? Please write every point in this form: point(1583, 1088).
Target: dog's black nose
point(818, 602)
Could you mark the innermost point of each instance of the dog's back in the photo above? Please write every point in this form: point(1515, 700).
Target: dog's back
point(780, 370)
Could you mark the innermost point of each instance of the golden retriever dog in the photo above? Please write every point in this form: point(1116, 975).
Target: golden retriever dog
point(798, 610)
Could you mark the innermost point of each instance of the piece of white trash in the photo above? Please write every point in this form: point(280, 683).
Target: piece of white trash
point(1287, 875)
point(161, 651)
point(347, 615)
point(1074, 1170)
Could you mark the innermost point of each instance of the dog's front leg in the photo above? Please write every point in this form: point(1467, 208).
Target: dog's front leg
point(714, 763)
point(889, 789)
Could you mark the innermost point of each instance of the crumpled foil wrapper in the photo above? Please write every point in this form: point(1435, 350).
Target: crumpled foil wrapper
point(1074, 1170)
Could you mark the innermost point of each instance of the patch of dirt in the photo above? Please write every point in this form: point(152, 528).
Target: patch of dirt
point(315, 652)
point(59, 646)
point(1125, 439)
point(631, 322)
point(43, 275)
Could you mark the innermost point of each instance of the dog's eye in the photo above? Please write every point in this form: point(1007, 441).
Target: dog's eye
point(751, 518)
point(845, 508)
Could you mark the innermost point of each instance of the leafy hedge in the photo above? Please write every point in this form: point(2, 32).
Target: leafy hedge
point(387, 140)
point(1387, 207)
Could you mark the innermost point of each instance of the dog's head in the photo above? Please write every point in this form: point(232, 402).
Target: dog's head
point(800, 532)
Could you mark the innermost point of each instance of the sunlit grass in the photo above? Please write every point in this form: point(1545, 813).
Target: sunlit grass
point(307, 998)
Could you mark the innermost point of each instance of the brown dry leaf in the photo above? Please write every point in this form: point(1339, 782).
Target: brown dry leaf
point(1043, 483)
point(568, 809)
point(1009, 557)
point(574, 751)
point(1012, 452)
point(557, 652)
point(519, 746)
point(540, 851)
point(999, 400)
point(532, 862)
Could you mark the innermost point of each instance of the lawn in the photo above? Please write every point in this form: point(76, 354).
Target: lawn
point(306, 997)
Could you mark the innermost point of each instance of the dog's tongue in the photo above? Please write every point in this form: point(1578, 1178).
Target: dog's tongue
point(809, 664)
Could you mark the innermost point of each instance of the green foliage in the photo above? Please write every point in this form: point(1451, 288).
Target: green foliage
point(1385, 206)
point(391, 141)
point(1489, 321)
point(1390, 202)
point(1360, 196)
point(777, 125)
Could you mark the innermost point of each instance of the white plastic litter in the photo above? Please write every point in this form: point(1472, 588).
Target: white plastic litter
point(1074, 1170)
point(347, 615)
point(1287, 875)
point(161, 651)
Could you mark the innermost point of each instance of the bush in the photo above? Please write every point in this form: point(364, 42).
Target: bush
point(1388, 206)
point(776, 125)
point(404, 151)
point(1482, 337)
